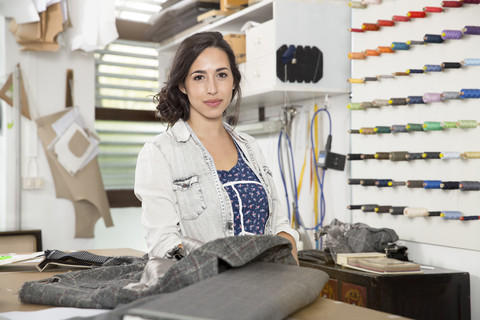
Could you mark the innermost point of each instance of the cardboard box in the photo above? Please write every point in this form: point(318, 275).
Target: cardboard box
point(238, 44)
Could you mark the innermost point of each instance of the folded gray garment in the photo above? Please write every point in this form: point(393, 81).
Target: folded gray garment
point(258, 290)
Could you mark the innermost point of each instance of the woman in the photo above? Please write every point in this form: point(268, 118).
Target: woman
point(200, 179)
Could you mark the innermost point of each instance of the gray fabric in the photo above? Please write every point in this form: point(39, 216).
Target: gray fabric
point(103, 287)
point(258, 290)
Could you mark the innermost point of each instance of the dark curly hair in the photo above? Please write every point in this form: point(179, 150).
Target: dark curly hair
point(172, 104)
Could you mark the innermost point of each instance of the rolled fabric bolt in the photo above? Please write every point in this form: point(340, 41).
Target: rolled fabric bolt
point(385, 23)
point(370, 27)
point(415, 212)
point(397, 101)
point(415, 42)
point(353, 131)
point(452, 4)
point(383, 49)
point(352, 80)
point(432, 38)
point(399, 46)
point(432, 68)
point(399, 128)
point(382, 129)
point(414, 156)
point(431, 155)
point(433, 9)
point(356, 55)
point(469, 185)
point(431, 184)
point(354, 156)
point(415, 100)
point(354, 207)
point(416, 14)
point(449, 155)
point(355, 106)
point(432, 97)
point(367, 130)
point(414, 127)
point(471, 61)
point(369, 207)
point(397, 210)
point(410, 71)
point(370, 79)
point(469, 93)
point(356, 30)
point(354, 181)
point(451, 65)
point(469, 218)
point(382, 183)
point(367, 156)
point(467, 124)
point(401, 18)
point(471, 155)
point(432, 126)
point(451, 215)
point(398, 156)
point(380, 102)
point(474, 30)
point(367, 104)
point(450, 185)
point(357, 5)
point(448, 124)
point(400, 74)
point(382, 209)
point(414, 184)
point(385, 76)
point(382, 155)
point(452, 34)
point(450, 95)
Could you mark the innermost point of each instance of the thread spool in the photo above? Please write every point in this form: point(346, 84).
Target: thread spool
point(469, 218)
point(400, 74)
point(452, 4)
point(413, 184)
point(471, 155)
point(434, 213)
point(385, 23)
point(357, 5)
point(371, 52)
point(397, 210)
point(357, 30)
point(352, 80)
point(431, 155)
point(370, 27)
point(400, 18)
point(450, 95)
point(432, 97)
point(469, 93)
point(433, 9)
point(432, 38)
point(451, 65)
point(397, 101)
point(367, 104)
point(353, 131)
point(370, 79)
point(450, 215)
point(385, 76)
point(471, 61)
point(415, 42)
point(382, 155)
point(467, 124)
point(415, 212)
point(356, 55)
point(448, 124)
point(449, 155)
point(432, 126)
point(382, 209)
point(354, 206)
point(471, 1)
point(354, 106)
point(371, 1)
point(416, 14)
point(474, 30)
point(369, 207)
point(450, 185)
point(399, 46)
point(382, 129)
point(415, 100)
point(383, 183)
point(383, 49)
point(414, 127)
point(354, 156)
point(353, 181)
point(398, 156)
point(410, 71)
point(452, 34)
point(431, 184)
point(367, 156)
point(414, 156)
point(367, 182)
point(399, 128)
point(380, 102)
point(367, 130)
point(469, 185)
point(432, 68)
point(397, 183)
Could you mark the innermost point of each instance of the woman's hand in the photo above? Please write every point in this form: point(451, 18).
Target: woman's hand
point(292, 240)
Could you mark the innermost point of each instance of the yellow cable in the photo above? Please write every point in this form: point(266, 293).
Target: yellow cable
point(315, 148)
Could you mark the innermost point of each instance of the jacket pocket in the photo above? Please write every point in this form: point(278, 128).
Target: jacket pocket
point(189, 197)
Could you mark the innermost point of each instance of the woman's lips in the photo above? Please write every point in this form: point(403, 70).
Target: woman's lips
point(213, 102)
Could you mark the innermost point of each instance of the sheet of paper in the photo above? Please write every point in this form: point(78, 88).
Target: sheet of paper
point(52, 314)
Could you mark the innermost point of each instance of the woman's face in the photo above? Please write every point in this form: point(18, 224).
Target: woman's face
point(209, 85)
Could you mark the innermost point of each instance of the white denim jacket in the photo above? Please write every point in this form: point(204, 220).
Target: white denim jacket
point(182, 195)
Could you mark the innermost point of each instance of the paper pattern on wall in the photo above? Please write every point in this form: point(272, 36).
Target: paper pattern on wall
point(6, 94)
point(85, 189)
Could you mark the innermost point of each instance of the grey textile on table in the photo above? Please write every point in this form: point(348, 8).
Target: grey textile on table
point(256, 291)
point(103, 287)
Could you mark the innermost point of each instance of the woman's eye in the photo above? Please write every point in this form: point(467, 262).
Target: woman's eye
point(223, 75)
point(198, 77)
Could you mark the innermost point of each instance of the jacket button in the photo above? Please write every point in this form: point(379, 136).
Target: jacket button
point(229, 225)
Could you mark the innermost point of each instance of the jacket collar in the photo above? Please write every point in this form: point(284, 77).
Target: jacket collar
point(182, 131)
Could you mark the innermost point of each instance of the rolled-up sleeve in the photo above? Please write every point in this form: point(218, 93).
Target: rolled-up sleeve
point(153, 187)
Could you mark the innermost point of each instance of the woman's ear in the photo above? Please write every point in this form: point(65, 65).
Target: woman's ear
point(181, 86)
